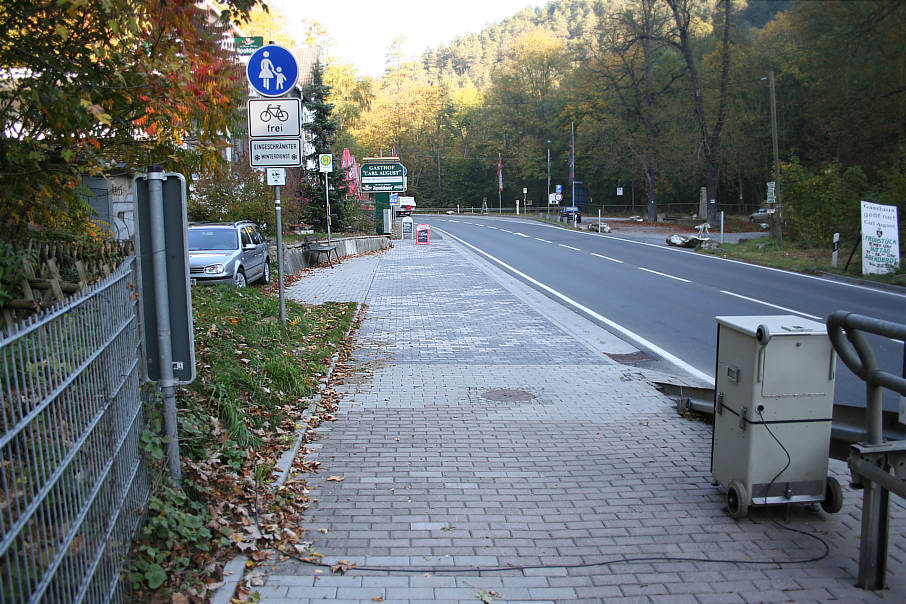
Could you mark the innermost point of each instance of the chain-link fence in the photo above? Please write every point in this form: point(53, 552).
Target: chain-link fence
point(74, 484)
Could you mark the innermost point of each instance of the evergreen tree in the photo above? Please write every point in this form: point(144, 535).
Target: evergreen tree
point(322, 134)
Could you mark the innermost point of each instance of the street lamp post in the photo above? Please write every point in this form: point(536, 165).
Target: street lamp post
point(548, 180)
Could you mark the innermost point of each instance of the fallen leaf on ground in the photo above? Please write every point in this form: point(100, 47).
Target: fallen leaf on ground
point(336, 478)
point(486, 596)
point(342, 566)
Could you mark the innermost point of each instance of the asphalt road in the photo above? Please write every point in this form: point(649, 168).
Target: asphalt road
point(670, 297)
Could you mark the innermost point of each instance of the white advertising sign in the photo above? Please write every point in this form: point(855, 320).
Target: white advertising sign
point(880, 239)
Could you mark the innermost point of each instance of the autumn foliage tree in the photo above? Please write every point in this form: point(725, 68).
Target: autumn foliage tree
point(90, 84)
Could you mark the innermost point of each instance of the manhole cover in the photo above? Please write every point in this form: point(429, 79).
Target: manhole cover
point(505, 395)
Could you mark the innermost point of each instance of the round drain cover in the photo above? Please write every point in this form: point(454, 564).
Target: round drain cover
point(505, 395)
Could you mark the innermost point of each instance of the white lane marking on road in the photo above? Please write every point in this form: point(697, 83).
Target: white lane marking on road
point(522, 235)
point(569, 247)
point(493, 227)
point(544, 240)
point(648, 270)
point(634, 337)
point(607, 258)
point(798, 312)
point(719, 259)
point(451, 220)
point(506, 231)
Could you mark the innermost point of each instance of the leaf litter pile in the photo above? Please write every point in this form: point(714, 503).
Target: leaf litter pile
point(255, 378)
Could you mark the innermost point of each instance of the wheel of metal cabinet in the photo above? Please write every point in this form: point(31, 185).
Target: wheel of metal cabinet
point(833, 496)
point(737, 500)
point(240, 279)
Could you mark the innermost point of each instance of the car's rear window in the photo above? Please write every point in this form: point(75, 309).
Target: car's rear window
point(212, 239)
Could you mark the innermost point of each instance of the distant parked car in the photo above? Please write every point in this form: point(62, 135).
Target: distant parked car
point(760, 215)
point(569, 212)
point(228, 252)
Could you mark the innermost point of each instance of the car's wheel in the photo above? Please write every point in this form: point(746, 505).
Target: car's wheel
point(240, 279)
point(266, 275)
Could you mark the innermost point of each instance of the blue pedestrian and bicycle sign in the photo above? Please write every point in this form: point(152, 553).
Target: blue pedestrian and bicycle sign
point(272, 70)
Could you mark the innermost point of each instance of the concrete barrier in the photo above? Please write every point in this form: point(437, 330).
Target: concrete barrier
point(295, 259)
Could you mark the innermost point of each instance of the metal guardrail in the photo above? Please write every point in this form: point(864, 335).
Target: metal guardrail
point(74, 483)
point(871, 462)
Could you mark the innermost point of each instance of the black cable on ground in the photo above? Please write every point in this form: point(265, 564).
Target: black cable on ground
point(633, 560)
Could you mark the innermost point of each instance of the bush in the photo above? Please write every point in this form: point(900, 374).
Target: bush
point(239, 195)
point(817, 205)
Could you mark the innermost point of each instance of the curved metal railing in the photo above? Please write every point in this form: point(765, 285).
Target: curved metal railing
point(871, 462)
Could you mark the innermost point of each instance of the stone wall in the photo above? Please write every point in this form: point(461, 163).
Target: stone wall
point(295, 258)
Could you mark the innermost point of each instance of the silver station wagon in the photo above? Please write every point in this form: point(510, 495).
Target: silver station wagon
point(228, 252)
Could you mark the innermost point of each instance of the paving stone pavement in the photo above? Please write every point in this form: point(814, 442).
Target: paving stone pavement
point(488, 454)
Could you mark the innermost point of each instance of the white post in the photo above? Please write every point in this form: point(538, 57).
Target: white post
point(599, 220)
point(721, 227)
point(836, 250)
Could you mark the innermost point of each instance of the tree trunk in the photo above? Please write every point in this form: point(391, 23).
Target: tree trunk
point(710, 140)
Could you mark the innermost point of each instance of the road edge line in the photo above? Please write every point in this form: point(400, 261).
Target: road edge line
point(634, 337)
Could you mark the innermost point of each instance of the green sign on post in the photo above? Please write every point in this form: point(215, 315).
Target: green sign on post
point(383, 177)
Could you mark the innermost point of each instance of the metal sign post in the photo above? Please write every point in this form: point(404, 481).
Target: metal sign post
point(276, 177)
point(165, 294)
point(275, 135)
point(325, 164)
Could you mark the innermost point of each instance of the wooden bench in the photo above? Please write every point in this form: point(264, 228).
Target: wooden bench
point(314, 246)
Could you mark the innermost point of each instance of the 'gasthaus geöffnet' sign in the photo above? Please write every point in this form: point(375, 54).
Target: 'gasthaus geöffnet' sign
point(880, 239)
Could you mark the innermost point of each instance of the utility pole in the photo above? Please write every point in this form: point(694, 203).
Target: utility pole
point(778, 222)
point(548, 180)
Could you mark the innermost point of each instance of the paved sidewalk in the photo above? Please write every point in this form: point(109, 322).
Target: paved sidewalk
point(477, 433)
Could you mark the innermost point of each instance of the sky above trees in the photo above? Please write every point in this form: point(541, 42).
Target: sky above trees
point(364, 30)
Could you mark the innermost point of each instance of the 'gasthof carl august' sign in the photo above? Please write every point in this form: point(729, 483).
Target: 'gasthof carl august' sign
point(880, 239)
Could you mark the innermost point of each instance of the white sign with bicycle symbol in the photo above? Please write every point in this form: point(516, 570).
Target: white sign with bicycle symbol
point(274, 118)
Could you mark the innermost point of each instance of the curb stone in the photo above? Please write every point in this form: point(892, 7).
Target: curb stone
point(236, 567)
